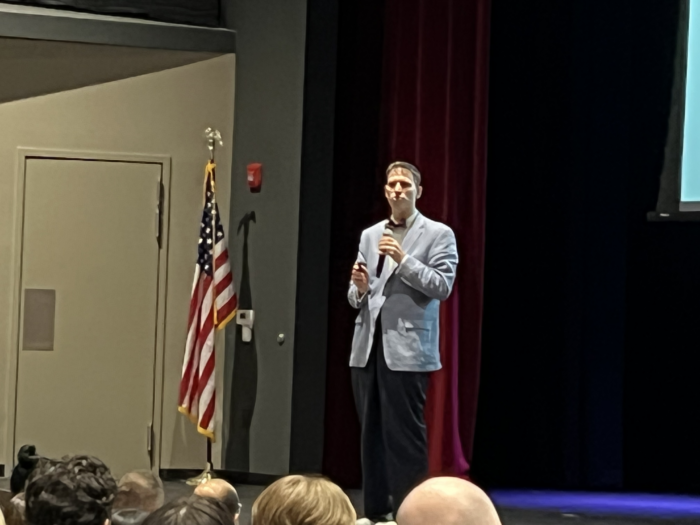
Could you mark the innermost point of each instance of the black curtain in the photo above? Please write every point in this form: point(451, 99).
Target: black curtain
point(193, 12)
point(356, 153)
point(590, 349)
point(663, 283)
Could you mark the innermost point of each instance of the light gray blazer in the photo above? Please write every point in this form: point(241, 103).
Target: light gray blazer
point(408, 298)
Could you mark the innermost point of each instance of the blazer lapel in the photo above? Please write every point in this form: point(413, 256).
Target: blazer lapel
point(414, 233)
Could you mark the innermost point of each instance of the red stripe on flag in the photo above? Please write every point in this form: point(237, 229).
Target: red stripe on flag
point(204, 335)
point(209, 321)
point(221, 259)
point(195, 301)
point(208, 414)
point(224, 283)
point(194, 388)
point(185, 381)
point(206, 374)
point(225, 311)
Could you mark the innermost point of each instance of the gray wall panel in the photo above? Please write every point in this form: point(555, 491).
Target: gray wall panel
point(271, 39)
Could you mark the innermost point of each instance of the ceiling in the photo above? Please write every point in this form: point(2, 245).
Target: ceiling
point(32, 68)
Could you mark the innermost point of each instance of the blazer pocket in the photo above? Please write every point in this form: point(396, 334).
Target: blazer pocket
point(416, 325)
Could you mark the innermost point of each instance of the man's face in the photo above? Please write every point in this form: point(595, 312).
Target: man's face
point(400, 189)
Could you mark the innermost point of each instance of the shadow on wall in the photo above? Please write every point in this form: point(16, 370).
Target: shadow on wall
point(245, 372)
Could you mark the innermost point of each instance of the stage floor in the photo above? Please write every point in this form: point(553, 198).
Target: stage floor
point(522, 507)
point(542, 508)
point(525, 507)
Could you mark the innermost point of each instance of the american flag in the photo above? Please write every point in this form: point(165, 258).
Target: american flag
point(212, 305)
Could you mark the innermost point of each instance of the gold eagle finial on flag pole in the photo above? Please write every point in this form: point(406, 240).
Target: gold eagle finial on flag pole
point(213, 136)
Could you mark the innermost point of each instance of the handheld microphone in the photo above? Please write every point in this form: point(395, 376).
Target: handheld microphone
point(388, 232)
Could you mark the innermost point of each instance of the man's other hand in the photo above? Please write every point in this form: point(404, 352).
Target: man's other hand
point(360, 278)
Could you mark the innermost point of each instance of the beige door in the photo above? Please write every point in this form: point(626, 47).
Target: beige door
point(85, 385)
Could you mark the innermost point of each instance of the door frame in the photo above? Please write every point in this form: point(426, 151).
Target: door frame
point(23, 155)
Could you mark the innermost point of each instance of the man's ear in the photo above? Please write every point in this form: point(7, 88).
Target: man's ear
point(419, 192)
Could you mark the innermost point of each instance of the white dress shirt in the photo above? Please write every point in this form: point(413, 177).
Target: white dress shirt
point(400, 234)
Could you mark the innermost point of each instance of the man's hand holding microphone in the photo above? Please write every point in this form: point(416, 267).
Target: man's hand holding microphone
point(388, 245)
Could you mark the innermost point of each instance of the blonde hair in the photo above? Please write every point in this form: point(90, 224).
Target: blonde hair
point(303, 500)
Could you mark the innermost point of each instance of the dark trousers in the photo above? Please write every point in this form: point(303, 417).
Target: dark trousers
point(394, 439)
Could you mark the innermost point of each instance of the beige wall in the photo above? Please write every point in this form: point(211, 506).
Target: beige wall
point(162, 113)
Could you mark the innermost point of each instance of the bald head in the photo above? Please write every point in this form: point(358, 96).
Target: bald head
point(222, 491)
point(139, 489)
point(447, 501)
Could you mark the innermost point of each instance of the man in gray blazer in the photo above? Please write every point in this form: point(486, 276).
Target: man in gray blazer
point(405, 266)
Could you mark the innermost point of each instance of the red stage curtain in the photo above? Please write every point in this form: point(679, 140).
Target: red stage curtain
point(429, 90)
point(434, 114)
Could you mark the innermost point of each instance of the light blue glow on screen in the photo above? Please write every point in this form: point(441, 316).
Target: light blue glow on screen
point(690, 169)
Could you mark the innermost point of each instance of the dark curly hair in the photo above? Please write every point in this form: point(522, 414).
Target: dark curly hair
point(73, 491)
point(193, 510)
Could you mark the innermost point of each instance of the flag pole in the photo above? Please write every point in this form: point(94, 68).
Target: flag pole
point(212, 137)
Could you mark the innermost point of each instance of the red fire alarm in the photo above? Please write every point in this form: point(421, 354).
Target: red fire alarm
point(255, 177)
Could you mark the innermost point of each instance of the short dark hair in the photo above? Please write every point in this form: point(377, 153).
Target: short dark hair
point(79, 489)
point(43, 466)
point(193, 510)
point(407, 166)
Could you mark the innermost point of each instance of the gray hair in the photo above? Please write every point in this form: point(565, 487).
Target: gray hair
point(140, 489)
point(407, 166)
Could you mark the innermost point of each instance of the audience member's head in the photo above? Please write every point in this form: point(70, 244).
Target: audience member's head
point(74, 490)
point(18, 503)
point(128, 517)
point(194, 510)
point(447, 501)
point(26, 461)
point(224, 492)
point(43, 466)
point(303, 500)
point(141, 490)
point(9, 515)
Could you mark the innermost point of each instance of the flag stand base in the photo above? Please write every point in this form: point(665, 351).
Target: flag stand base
point(206, 474)
point(202, 478)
